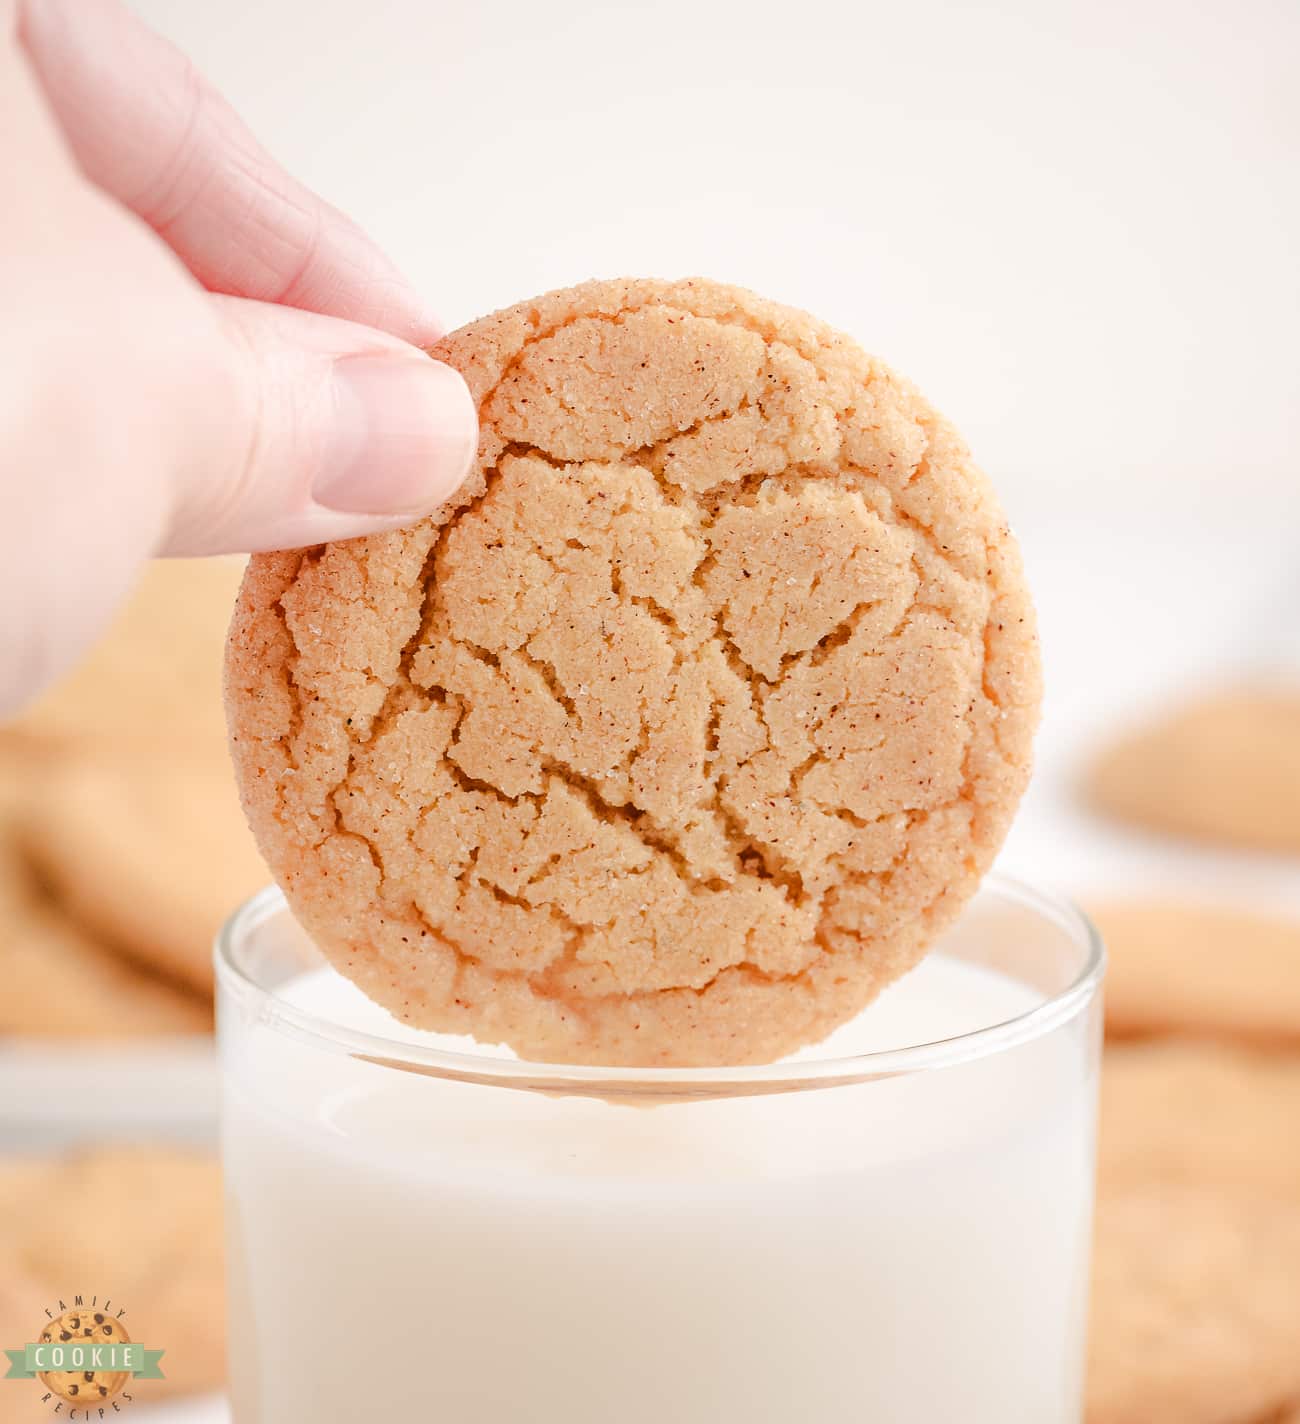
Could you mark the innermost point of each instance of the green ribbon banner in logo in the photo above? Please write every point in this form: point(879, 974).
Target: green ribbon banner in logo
point(83, 1355)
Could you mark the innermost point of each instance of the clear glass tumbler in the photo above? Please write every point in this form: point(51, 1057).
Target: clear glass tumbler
point(893, 1226)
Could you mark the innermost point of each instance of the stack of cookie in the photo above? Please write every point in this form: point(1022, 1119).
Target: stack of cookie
point(139, 1224)
point(122, 844)
point(1196, 1289)
point(122, 848)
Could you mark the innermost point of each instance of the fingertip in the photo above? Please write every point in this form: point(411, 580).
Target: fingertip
point(326, 430)
point(407, 317)
point(402, 436)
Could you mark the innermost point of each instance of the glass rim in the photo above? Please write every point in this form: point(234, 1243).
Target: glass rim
point(591, 1080)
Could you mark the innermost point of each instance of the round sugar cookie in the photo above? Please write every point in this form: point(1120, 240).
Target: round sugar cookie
point(1195, 1308)
point(1213, 970)
point(1223, 768)
point(149, 852)
point(684, 728)
point(61, 981)
point(1182, 1112)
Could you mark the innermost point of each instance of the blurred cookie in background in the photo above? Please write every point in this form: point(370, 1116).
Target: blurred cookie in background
point(141, 1225)
point(59, 981)
point(1196, 1274)
point(1209, 1115)
point(122, 846)
point(1195, 1314)
point(22, 768)
point(1200, 969)
point(1225, 768)
point(1195, 1307)
point(149, 852)
point(155, 675)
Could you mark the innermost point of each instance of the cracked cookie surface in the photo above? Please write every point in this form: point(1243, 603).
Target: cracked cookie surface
point(684, 728)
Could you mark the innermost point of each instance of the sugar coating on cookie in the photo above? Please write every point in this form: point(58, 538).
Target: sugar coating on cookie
point(1194, 1303)
point(684, 728)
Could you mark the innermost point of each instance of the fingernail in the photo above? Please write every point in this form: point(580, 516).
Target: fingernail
point(403, 437)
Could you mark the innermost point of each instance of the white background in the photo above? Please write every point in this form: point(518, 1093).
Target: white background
point(1074, 224)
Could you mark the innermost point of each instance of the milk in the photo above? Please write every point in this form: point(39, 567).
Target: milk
point(906, 1251)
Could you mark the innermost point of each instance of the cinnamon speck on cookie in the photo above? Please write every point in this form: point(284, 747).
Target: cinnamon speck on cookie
point(684, 728)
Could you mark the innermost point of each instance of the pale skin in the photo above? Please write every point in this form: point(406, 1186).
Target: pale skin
point(197, 354)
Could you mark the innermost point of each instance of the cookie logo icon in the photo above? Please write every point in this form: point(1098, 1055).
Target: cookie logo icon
point(81, 1327)
point(84, 1358)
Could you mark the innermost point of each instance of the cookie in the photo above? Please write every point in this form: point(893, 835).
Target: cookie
point(1183, 1113)
point(60, 982)
point(91, 1327)
point(138, 1226)
point(155, 676)
point(684, 728)
point(1225, 768)
point(149, 852)
point(1200, 969)
point(1195, 1308)
point(21, 768)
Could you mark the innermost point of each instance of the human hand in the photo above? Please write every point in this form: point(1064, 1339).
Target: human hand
point(183, 368)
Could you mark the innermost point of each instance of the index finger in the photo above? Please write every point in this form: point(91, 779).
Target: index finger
point(147, 128)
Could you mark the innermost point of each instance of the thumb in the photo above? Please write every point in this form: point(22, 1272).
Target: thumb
point(314, 429)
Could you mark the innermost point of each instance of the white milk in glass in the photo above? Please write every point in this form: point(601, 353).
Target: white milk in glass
point(907, 1251)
